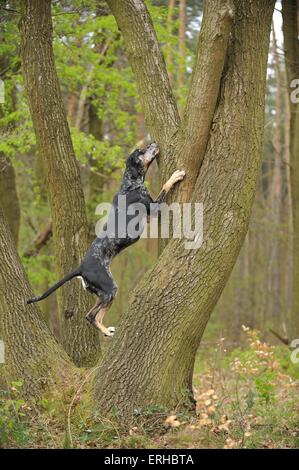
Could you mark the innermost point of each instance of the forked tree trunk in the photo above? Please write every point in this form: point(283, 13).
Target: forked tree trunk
point(291, 47)
point(31, 352)
point(70, 228)
point(152, 355)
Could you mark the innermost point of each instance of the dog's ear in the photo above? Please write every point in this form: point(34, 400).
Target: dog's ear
point(134, 165)
point(134, 172)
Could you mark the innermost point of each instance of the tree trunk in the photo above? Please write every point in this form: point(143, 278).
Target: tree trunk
point(9, 200)
point(70, 228)
point(152, 355)
point(96, 180)
point(169, 54)
point(182, 46)
point(291, 47)
point(288, 281)
point(31, 352)
point(276, 195)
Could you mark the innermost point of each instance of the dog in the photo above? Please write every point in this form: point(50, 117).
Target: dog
point(94, 271)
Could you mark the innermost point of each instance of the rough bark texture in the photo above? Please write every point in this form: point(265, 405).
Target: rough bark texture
point(182, 43)
point(152, 355)
point(291, 47)
point(169, 51)
point(70, 227)
point(9, 200)
point(276, 194)
point(31, 352)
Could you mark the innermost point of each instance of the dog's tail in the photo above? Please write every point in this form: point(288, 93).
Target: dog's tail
point(58, 284)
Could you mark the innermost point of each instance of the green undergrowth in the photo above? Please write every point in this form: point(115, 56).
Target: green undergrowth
point(246, 398)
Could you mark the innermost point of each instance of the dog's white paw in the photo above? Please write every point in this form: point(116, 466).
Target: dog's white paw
point(178, 175)
point(111, 330)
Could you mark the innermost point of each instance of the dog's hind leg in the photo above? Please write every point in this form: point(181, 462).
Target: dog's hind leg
point(103, 285)
point(98, 321)
point(107, 299)
point(96, 314)
point(90, 316)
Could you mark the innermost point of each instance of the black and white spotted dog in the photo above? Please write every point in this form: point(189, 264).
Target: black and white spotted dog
point(94, 270)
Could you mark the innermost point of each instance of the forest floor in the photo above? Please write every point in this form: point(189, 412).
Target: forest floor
point(246, 398)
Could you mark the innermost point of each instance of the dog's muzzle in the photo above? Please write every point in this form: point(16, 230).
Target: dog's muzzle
point(150, 153)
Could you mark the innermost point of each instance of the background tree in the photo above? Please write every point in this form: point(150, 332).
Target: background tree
point(70, 226)
point(182, 43)
point(291, 49)
point(9, 200)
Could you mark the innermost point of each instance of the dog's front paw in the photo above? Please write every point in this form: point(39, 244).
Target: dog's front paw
point(111, 330)
point(177, 176)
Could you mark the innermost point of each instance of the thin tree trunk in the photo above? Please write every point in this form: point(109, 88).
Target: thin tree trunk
point(289, 241)
point(182, 46)
point(152, 356)
point(71, 108)
point(276, 190)
point(82, 99)
point(291, 47)
point(169, 54)
point(70, 228)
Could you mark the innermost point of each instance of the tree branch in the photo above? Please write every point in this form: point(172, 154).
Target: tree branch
point(147, 62)
point(284, 340)
point(40, 240)
point(204, 89)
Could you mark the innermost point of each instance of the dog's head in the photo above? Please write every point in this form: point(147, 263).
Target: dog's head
point(140, 160)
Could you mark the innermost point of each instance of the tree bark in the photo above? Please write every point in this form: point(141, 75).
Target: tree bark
point(291, 47)
point(31, 352)
point(152, 356)
point(182, 45)
point(9, 200)
point(70, 228)
point(169, 54)
point(276, 195)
